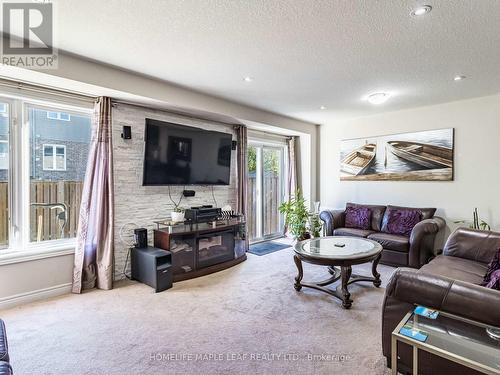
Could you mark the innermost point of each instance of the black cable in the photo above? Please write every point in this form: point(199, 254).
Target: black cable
point(125, 266)
point(170, 196)
point(213, 196)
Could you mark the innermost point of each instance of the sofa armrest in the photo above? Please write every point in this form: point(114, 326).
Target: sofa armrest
point(332, 219)
point(5, 368)
point(422, 241)
point(409, 287)
point(4, 348)
point(456, 297)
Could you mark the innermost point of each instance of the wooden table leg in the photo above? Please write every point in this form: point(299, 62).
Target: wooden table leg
point(346, 296)
point(377, 282)
point(298, 279)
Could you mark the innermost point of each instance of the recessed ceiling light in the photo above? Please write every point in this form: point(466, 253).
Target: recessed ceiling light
point(248, 79)
point(322, 107)
point(378, 97)
point(459, 78)
point(420, 11)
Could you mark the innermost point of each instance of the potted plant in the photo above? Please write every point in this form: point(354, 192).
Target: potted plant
point(296, 216)
point(178, 214)
point(476, 223)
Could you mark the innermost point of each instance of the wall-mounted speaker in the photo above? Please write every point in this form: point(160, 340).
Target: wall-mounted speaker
point(188, 193)
point(127, 132)
point(234, 145)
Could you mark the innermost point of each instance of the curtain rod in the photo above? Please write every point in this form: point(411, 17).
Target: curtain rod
point(45, 89)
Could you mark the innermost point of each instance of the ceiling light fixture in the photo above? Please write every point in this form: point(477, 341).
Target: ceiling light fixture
point(459, 78)
point(420, 11)
point(378, 97)
point(322, 107)
point(248, 79)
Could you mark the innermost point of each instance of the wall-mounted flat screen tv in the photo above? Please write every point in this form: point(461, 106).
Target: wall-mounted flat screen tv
point(183, 155)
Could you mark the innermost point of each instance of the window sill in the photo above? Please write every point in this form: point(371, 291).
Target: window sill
point(38, 251)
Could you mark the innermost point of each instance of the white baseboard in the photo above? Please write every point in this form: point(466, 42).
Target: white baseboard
point(34, 295)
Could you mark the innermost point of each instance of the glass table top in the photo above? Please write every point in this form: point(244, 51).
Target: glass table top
point(465, 339)
point(338, 247)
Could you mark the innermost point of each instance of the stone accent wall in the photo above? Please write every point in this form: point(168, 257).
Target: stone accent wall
point(136, 205)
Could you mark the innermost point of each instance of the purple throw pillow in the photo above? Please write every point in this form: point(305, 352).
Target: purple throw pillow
point(492, 277)
point(358, 217)
point(402, 221)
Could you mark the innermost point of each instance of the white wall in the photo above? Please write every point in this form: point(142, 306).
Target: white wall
point(35, 279)
point(477, 156)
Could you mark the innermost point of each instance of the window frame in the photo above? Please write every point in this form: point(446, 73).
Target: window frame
point(12, 226)
point(20, 248)
point(54, 157)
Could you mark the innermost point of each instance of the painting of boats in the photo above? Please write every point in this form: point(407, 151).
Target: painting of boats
point(359, 160)
point(417, 156)
point(426, 155)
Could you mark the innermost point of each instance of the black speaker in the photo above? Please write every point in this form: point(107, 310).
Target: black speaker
point(234, 145)
point(153, 267)
point(127, 132)
point(141, 238)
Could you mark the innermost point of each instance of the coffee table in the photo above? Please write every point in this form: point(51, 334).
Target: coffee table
point(335, 252)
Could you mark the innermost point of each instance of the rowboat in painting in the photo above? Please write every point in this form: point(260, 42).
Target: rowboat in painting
point(358, 161)
point(423, 154)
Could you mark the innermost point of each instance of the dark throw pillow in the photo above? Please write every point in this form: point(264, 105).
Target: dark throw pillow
point(358, 217)
point(492, 277)
point(402, 221)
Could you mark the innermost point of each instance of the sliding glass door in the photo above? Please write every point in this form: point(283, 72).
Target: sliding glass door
point(266, 169)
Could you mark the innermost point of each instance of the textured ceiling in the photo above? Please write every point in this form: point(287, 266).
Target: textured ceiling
point(302, 54)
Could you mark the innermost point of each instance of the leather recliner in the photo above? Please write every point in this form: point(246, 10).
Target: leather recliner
point(5, 368)
point(398, 250)
point(449, 283)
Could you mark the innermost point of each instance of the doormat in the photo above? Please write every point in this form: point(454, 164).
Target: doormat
point(268, 247)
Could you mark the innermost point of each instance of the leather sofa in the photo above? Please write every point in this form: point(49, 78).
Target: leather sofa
point(398, 250)
point(5, 368)
point(449, 283)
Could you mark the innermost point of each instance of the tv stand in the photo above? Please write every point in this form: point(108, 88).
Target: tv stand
point(199, 249)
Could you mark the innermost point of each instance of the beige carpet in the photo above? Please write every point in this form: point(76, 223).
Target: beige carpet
point(244, 320)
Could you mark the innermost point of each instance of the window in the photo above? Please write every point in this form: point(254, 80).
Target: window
point(4, 155)
point(42, 167)
point(58, 116)
point(3, 108)
point(54, 158)
point(58, 154)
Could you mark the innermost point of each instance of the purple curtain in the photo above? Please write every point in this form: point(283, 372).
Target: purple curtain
point(292, 183)
point(242, 139)
point(94, 251)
